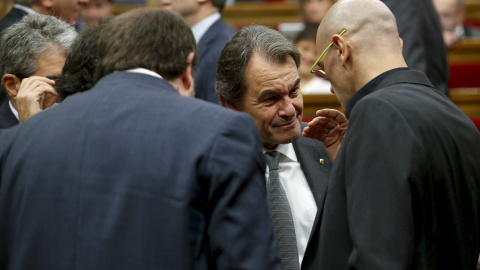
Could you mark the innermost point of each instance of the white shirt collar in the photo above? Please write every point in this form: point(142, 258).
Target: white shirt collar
point(144, 71)
point(202, 26)
point(460, 31)
point(25, 8)
point(13, 110)
point(286, 149)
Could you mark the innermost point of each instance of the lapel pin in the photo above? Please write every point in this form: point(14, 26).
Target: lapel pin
point(322, 161)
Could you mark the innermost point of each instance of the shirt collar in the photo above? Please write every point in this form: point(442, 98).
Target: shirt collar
point(144, 71)
point(286, 150)
point(202, 26)
point(368, 88)
point(13, 110)
point(25, 8)
point(460, 30)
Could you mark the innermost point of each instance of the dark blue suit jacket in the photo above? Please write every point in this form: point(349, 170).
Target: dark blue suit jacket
point(12, 17)
point(209, 47)
point(7, 118)
point(131, 175)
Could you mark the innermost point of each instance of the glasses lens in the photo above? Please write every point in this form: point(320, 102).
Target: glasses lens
point(320, 74)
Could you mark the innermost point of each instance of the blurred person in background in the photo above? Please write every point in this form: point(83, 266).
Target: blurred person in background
point(452, 18)
point(309, 83)
point(34, 48)
point(312, 12)
point(421, 32)
point(93, 12)
point(211, 34)
point(67, 10)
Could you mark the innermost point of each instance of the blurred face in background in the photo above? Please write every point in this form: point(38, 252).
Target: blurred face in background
point(96, 10)
point(450, 13)
point(68, 10)
point(308, 50)
point(185, 8)
point(314, 10)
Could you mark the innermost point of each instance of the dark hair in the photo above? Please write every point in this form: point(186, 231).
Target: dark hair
point(233, 61)
point(77, 74)
point(220, 4)
point(309, 33)
point(149, 38)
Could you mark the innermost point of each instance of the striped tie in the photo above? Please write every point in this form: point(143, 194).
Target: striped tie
point(281, 215)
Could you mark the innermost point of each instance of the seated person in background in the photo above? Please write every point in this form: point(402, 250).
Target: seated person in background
point(312, 14)
point(305, 43)
point(452, 17)
point(33, 49)
point(93, 12)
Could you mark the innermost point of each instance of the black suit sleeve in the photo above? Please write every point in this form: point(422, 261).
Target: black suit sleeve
point(240, 230)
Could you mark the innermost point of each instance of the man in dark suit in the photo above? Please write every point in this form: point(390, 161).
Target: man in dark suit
point(132, 175)
point(423, 48)
point(258, 74)
point(211, 33)
point(404, 190)
point(34, 48)
point(66, 10)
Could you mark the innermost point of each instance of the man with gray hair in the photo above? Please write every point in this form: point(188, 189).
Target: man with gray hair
point(258, 74)
point(34, 48)
point(67, 10)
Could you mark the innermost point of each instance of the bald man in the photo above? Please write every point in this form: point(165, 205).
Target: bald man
point(403, 192)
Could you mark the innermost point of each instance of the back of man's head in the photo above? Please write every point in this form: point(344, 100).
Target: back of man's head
point(149, 38)
point(77, 74)
point(26, 41)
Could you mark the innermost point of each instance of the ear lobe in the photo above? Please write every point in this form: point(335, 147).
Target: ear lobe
point(11, 84)
point(187, 77)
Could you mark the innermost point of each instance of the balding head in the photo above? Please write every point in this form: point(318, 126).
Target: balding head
point(370, 46)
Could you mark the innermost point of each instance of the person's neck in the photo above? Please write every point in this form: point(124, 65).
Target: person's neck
point(365, 75)
point(203, 12)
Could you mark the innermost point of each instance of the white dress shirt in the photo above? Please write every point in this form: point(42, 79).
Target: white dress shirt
point(25, 8)
point(202, 26)
point(300, 197)
point(13, 110)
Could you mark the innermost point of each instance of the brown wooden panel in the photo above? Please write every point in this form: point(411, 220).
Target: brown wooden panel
point(269, 14)
point(467, 51)
point(5, 7)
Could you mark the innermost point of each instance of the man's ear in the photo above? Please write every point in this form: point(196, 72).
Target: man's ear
point(11, 84)
point(187, 78)
point(343, 50)
point(229, 105)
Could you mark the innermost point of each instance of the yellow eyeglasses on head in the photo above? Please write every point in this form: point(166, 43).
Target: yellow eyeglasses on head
point(318, 72)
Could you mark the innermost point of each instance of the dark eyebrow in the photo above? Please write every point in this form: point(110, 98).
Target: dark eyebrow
point(267, 93)
point(296, 84)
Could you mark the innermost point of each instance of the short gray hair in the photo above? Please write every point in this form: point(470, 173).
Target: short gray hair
point(27, 3)
point(272, 45)
point(23, 42)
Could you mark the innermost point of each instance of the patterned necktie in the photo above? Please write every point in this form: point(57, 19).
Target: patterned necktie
point(281, 215)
